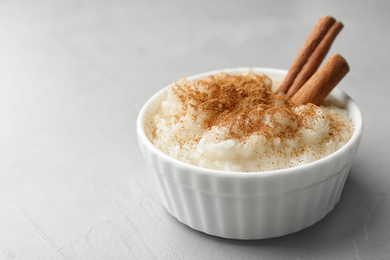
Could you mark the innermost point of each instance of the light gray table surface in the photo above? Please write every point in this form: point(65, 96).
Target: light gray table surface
point(73, 77)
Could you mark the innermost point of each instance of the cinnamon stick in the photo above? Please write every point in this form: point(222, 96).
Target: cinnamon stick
point(315, 37)
point(322, 82)
point(315, 59)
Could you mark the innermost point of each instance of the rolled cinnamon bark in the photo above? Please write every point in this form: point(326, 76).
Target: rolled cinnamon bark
point(311, 43)
point(322, 82)
point(315, 59)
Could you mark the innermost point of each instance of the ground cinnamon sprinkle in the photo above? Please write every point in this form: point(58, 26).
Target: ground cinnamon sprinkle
point(238, 123)
point(239, 103)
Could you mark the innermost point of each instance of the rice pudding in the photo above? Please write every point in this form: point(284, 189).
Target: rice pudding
point(238, 123)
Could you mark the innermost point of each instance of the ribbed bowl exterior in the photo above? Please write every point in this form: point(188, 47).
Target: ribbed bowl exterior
point(251, 205)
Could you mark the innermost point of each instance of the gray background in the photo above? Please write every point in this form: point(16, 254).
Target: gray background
point(73, 76)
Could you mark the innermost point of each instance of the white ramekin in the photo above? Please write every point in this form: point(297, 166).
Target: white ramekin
point(250, 205)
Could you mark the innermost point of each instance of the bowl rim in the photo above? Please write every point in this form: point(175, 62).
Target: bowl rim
point(350, 103)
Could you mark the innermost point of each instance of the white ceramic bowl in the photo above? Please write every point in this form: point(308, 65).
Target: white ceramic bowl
point(250, 205)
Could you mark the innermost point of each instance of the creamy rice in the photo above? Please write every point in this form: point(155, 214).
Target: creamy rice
point(237, 123)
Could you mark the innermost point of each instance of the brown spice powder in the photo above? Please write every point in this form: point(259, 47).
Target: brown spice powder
point(245, 104)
